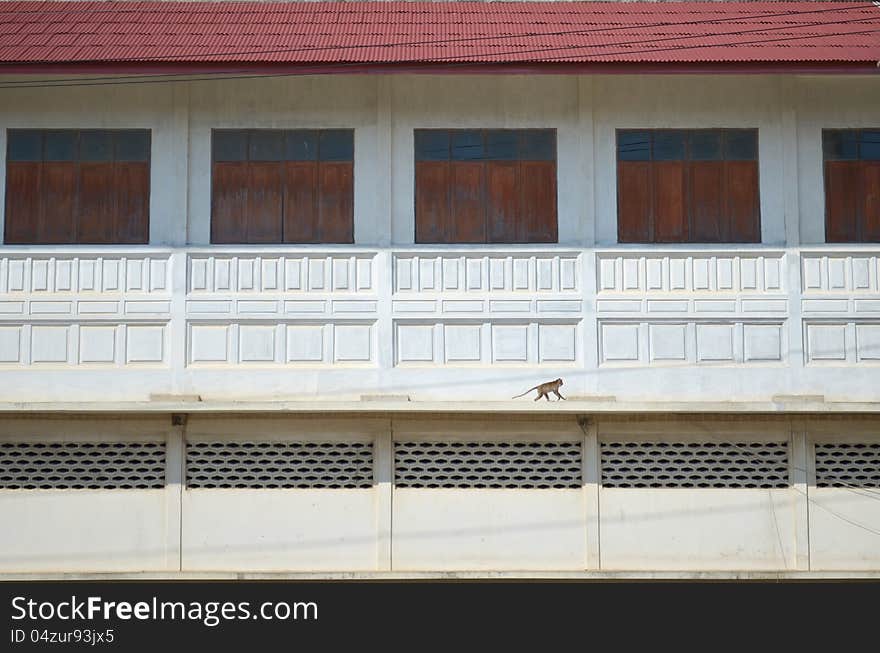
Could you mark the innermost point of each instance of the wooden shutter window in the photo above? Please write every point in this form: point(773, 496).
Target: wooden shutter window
point(59, 188)
point(504, 185)
point(283, 186)
point(871, 205)
point(852, 185)
point(23, 202)
point(264, 202)
point(335, 205)
point(538, 176)
point(743, 205)
point(538, 202)
point(485, 186)
point(634, 199)
point(687, 186)
point(335, 202)
point(432, 186)
point(433, 205)
point(78, 187)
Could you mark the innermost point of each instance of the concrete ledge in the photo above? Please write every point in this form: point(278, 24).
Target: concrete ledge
point(459, 575)
point(383, 405)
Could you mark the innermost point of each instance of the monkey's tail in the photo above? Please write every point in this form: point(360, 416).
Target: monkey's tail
point(525, 393)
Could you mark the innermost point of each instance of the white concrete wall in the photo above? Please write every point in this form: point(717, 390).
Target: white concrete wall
point(698, 528)
point(310, 102)
point(161, 108)
point(281, 529)
point(83, 530)
point(842, 535)
point(91, 530)
point(674, 101)
point(824, 103)
point(789, 112)
point(685, 323)
point(844, 521)
point(486, 102)
point(485, 529)
point(384, 528)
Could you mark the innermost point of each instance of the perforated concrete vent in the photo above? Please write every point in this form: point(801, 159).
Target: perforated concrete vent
point(279, 464)
point(525, 465)
point(82, 465)
point(844, 465)
point(694, 464)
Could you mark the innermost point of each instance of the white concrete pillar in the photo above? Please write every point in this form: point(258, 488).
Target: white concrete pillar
point(176, 339)
point(789, 132)
point(586, 204)
point(592, 481)
point(381, 171)
point(383, 461)
point(174, 481)
point(801, 462)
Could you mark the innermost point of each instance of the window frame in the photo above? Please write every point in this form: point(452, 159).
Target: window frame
point(76, 161)
point(282, 160)
point(485, 205)
point(856, 168)
point(688, 162)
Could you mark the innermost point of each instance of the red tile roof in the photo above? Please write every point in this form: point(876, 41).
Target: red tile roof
point(199, 35)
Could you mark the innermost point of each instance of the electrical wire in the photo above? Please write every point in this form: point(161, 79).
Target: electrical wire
point(225, 76)
point(360, 46)
point(809, 499)
point(141, 78)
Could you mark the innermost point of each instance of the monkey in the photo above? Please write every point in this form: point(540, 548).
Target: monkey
point(544, 390)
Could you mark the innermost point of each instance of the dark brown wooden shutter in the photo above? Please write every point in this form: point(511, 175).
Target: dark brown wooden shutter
point(538, 181)
point(301, 202)
point(698, 186)
point(78, 194)
point(276, 187)
point(132, 185)
point(503, 200)
point(468, 202)
point(670, 217)
point(97, 204)
point(58, 193)
point(871, 205)
point(229, 203)
point(264, 199)
point(706, 202)
point(432, 201)
point(472, 187)
point(633, 201)
point(336, 196)
point(22, 202)
point(743, 208)
point(841, 200)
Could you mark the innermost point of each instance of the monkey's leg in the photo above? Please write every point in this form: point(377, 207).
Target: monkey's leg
point(558, 395)
point(547, 396)
point(540, 394)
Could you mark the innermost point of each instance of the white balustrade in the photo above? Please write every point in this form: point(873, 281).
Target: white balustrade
point(437, 323)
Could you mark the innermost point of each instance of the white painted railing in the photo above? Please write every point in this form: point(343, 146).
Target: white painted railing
point(639, 323)
point(74, 308)
point(687, 307)
point(841, 307)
